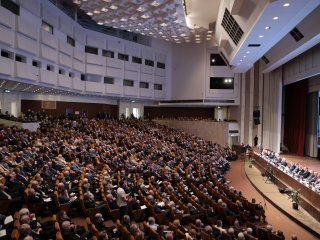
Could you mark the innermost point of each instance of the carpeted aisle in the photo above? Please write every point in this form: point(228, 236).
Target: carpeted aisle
point(278, 220)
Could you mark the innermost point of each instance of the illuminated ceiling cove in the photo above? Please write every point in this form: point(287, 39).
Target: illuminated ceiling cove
point(163, 19)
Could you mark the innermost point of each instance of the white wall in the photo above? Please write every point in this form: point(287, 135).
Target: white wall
point(188, 71)
point(130, 105)
point(10, 102)
point(22, 35)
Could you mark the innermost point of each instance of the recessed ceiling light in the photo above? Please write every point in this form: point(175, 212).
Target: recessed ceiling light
point(213, 60)
point(113, 7)
point(182, 35)
point(267, 27)
point(248, 52)
point(96, 11)
point(155, 3)
point(260, 36)
point(100, 23)
point(89, 13)
point(141, 9)
point(104, 9)
point(275, 18)
point(145, 16)
point(286, 4)
point(244, 56)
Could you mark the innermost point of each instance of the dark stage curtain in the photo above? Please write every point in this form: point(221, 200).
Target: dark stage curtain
point(295, 116)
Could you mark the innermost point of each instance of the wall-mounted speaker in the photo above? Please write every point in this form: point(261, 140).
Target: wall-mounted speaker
point(256, 117)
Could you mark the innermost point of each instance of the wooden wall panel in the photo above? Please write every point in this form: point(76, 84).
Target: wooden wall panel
point(172, 112)
point(90, 108)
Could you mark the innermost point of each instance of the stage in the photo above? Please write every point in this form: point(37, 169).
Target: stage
point(280, 200)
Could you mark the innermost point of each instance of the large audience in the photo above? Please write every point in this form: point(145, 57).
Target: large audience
point(150, 181)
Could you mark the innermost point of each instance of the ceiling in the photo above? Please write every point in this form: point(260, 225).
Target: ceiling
point(163, 19)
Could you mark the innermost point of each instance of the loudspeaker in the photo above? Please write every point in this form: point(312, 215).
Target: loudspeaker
point(256, 121)
point(256, 117)
point(256, 114)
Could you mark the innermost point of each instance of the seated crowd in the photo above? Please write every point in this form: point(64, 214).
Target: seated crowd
point(29, 116)
point(150, 181)
point(306, 176)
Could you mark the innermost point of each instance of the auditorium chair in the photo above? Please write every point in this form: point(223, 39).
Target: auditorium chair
point(151, 232)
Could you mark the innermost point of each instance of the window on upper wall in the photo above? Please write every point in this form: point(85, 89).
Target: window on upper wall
point(62, 71)
point(217, 60)
point(108, 80)
point(149, 62)
point(20, 58)
point(11, 6)
point(91, 50)
point(71, 74)
point(47, 27)
point(6, 54)
point(137, 60)
point(128, 83)
point(161, 65)
point(50, 68)
point(221, 83)
point(157, 86)
point(144, 85)
point(71, 41)
point(82, 77)
point(107, 53)
point(123, 57)
point(36, 63)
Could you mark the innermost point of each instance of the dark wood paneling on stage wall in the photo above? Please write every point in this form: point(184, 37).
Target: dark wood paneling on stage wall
point(90, 108)
point(171, 112)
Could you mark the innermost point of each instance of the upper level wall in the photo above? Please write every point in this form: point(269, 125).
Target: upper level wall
point(23, 36)
point(191, 72)
point(303, 66)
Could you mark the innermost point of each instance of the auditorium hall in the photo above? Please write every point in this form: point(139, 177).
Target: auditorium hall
point(159, 119)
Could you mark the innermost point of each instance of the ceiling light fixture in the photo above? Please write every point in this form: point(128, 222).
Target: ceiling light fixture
point(260, 36)
point(275, 18)
point(113, 7)
point(155, 3)
point(267, 27)
point(286, 5)
point(141, 9)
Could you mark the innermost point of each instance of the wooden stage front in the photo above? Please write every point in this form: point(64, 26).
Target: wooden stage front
point(309, 199)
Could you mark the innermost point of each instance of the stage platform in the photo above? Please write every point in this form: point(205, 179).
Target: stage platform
point(281, 201)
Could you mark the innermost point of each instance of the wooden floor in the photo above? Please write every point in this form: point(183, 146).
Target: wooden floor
point(276, 218)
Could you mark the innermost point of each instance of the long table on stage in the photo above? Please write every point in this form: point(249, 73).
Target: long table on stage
point(309, 199)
